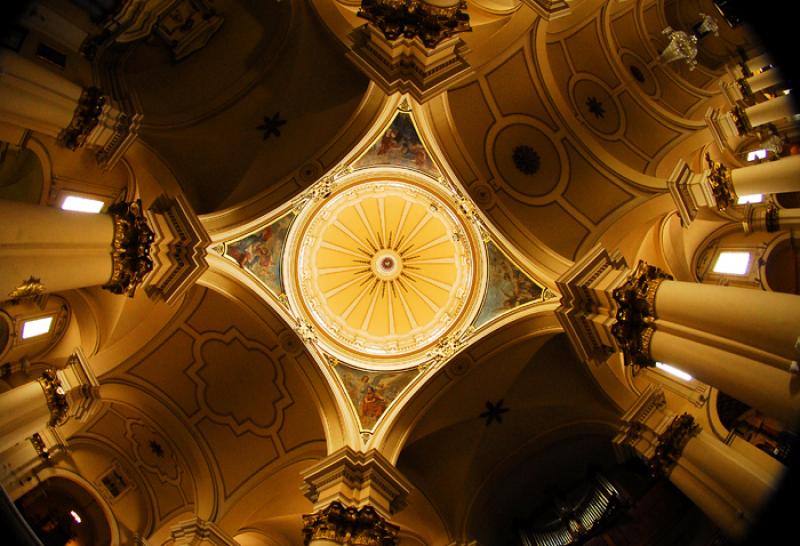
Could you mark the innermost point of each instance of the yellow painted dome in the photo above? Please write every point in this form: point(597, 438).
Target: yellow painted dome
point(384, 268)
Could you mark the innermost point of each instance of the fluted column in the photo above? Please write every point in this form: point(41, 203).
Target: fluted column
point(721, 481)
point(44, 249)
point(778, 176)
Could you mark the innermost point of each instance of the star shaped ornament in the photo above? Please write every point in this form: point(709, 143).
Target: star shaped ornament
point(272, 126)
point(494, 412)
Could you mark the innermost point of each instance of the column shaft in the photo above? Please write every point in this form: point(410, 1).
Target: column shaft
point(757, 63)
point(763, 80)
point(767, 320)
point(769, 111)
point(778, 176)
point(720, 512)
point(23, 411)
point(762, 387)
point(63, 249)
point(33, 97)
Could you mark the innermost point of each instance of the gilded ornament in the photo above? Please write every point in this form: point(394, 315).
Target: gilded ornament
point(56, 398)
point(719, 177)
point(349, 526)
point(416, 18)
point(671, 443)
point(38, 445)
point(636, 313)
point(30, 289)
point(85, 119)
point(772, 218)
point(130, 248)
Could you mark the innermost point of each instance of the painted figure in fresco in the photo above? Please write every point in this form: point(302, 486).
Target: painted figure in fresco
point(258, 254)
point(373, 404)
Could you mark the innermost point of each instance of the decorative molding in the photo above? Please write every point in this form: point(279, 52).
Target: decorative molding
point(81, 386)
point(130, 248)
point(349, 526)
point(355, 478)
point(197, 531)
point(416, 18)
point(405, 64)
point(180, 251)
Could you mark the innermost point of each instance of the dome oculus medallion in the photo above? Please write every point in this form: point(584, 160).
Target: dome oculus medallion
point(383, 268)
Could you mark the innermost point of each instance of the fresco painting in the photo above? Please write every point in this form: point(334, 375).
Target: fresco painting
point(260, 253)
point(399, 146)
point(508, 287)
point(372, 392)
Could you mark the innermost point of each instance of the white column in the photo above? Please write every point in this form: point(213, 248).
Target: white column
point(765, 388)
point(778, 176)
point(23, 411)
point(757, 63)
point(33, 97)
point(767, 320)
point(63, 249)
point(768, 111)
point(763, 80)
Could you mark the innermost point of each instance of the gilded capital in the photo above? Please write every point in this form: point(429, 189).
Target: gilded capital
point(56, 398)
point(349, 526)
point(719, 178)
point(416, 18)
point(671, 443)
point(85, 119)
point(636, 313)
point(130, 248)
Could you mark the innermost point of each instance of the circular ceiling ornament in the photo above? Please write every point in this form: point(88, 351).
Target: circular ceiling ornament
point(384, 268)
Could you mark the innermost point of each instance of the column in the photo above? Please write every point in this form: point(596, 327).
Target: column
point(354, 494)
point(763, 80)
point(44, 249)
point(722, 482)
point(769, 111)
point(769, 321)
point(737, 339)
point(30, 408)
point(770, 219)
point(51, 400)
point(757, 63)
point(33, 97)
point(765, 388)
point(778, 176)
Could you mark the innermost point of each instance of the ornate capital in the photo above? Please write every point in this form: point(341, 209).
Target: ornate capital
point(130, 248)
point(671, 443)
point(31, 289)
point(721, 182)
point(636, 312)
point(56, 398)
point(740, 120)
point(349, 525)
point(85, 119)
point(416, 18)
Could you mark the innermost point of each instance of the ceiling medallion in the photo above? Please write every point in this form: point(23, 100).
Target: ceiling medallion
point(384, 267)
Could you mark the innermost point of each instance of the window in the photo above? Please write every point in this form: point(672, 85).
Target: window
point(732, 263)
point(82, 204)
point(757, 154)
point(672, 370)
point(752, 198)
point(36, 327)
